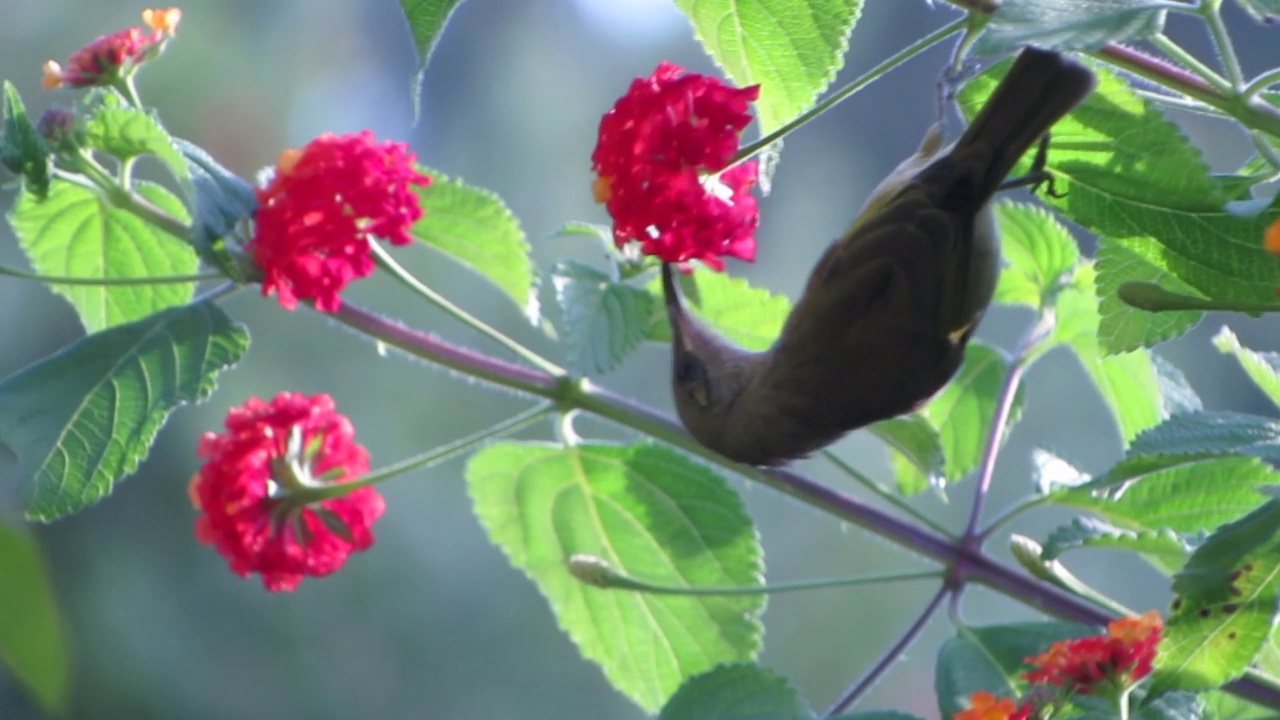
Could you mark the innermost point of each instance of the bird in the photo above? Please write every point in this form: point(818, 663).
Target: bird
point(885, 316)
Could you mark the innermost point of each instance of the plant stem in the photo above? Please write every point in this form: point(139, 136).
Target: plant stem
point(1191, 62)
point(884, 494)
point(95, 178)
point(1211, 11)
point(999, 423)
point(108, 281)
point(1154, 298)
point(1260, 83)
point(1009, 514)
point(891, 656)
point(433, 456)
point(388, 263)
point(866, 79)
point(967, 563)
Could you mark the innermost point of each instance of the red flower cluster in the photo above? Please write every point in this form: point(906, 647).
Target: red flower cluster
point(658, 162)
point(986, 706)
point(116, 55)
point(316, 217)
point(267, 490)
point(1121, 657)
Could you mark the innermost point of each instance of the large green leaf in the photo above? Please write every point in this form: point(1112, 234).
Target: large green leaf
point(1124, 327)
point(1215, 433)
point(1130, 383)
point(74, 232)
point(749, 316)
point(1069, 24)
point(1227, 597)
point(82, 420)
point(476, 228)
point(33, 641)
point(792, 48)
point(1186, 493)
point(736, 692)
point(1163, 547)
point(652, 514)
point(1129, 175)
point(1039, 255)
point(603, 319)
point(962, 412)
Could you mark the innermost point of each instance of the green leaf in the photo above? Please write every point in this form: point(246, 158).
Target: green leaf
point(792, 48)
point(653, 515)
point(33, 638)
point(1039, 255)
point(222, 201)
point(125, 133)
point(1130, 384)
point(83, 419)
point(915, 451)
point(749, 316)
point(476, 228)
point(1165, 548)
point(991, 658)
point(1128, 174)
point(736, 692)
point(1186, 493)
point(426, 19)
point(1263, 368)
point(22, 150)
point(962, 412)
point(1226, 598)
point(76, 233)
point(1124, 327)
point(1069, 24)
point(1216, 433)
point(603, 320)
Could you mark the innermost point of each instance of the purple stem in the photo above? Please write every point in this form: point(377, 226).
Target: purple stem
point(889, 658)
point(964, 562)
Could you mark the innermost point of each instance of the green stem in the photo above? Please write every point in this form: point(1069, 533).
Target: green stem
point(108, 281)
point(883, 493)
point(1191, 62)
point(867, 78)
point(99, 180)
point(388, 263)
point(1015, 510)
point(1211, 11)
point(603, 576)
point(435, 456)
point(1267, 152)
point(1260, 83)
point(1154, 298)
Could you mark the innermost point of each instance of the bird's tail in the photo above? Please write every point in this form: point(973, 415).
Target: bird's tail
point(1040, 87)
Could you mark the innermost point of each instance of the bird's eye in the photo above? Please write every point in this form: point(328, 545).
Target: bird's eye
point(691, 375)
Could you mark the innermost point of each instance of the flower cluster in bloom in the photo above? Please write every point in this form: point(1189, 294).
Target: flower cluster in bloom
point(317, 215)
point(268, 490)
point(1095, 664)
point(986, 706)
point(660, 164)
point(1119, 658)
point(116, 55)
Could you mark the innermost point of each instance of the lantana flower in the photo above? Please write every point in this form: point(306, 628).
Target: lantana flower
point(984, 705)
point(270, 490)
point(662, 168)
point(1115, 660)
point(117, 55)
point(321, 209)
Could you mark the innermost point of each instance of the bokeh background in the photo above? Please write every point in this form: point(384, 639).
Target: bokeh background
point(433, 623)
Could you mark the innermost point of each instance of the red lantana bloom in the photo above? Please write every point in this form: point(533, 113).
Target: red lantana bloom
point(1118, 659)
point(986, 706)
point(660, 168)
point(116, 55)
point(267, 491)
point(317, 215)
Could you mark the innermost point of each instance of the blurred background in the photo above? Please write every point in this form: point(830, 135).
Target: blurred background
point(432, 622)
